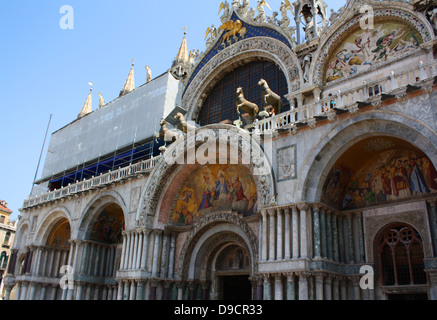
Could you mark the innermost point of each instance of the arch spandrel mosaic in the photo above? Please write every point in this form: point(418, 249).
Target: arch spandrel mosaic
point(212, 188)
point(109, 225)
point(60, 235)
point(363, 48)
point(379, 170)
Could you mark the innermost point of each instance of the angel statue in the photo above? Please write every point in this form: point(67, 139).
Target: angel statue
point(225, 7)
point(244, 8)
point(285, 21)
point(211, 35)
point(261, 12)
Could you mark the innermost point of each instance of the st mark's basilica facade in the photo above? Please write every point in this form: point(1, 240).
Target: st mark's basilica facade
point(296, 151)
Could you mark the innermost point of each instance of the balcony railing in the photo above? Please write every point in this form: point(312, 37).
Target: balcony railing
point(343, 102)
point(94, 183)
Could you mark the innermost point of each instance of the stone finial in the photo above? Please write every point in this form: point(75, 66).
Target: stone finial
point(129, 85)
point(88, 106)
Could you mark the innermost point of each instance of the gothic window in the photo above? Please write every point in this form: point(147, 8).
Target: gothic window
point(400, 253)
point(3, 260)
point(221, 102)
point(7, 237)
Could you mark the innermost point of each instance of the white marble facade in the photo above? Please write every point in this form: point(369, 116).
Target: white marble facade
point(295, 246)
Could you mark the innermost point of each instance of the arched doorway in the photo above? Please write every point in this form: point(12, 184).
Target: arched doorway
point(232, 272)
point(221, 251)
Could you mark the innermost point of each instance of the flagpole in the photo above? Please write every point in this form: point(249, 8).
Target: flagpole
point(40, 156)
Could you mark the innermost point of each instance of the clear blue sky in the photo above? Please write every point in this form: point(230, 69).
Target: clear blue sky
point(45, 70)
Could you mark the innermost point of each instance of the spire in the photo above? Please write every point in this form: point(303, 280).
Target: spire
point(179, 67)
point(182, 56)
point(130, 81)
point(88, 106)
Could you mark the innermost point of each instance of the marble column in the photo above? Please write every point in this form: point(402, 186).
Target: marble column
point(172, 255)
point(123, 251)
point(126, 287)
point(432, 218)
point(295, 233)
point(272, 237)
point(303, 207)
point(291, 291)
point(139, 250)
point(328, 287)
point(329, 234)
point(351, 250)
point(129, 251)
point(335, 288)
point(8, 292)
point(279, 291)
point(316, 232)
point(303, 285)
point(341, 247)
point(135, 249)
point(144, 254)
point(359, 218)
point(279, 235)
point(120, 290)
point(165, 254)
point(433, 285)
point(323, 235)
point(319, 285)
point(335, 237)
point(343, 288)
point(287, 235)
point(205, 290)
point(356, 287)
point(132, 291)
point(180, 286)
point(267, 291)
point(264, 244)
point(156, 251)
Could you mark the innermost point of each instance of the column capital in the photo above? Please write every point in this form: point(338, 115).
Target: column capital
point(265, 277)
point(302, 274)
point(290, 276)
point(180, 284)
point(432, 202)
point(206, 284)
point(271, 211)
point(302, 206)
point(320, 276)
point(157, 232)
point(316, 206)
point(277, 276)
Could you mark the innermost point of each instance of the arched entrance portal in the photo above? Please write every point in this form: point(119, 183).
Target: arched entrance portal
point(220, 253)
point(232, 271)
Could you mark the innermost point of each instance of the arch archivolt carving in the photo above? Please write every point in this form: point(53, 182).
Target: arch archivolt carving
point(94, 207)
point(235, 55)
point(48, 221)
point(222, 227)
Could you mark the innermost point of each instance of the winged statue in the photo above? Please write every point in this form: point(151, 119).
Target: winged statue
point(233, 29)
point(225, 7)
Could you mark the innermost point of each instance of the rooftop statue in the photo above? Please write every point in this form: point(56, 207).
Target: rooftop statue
point(270, 98)
point(245, 106)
